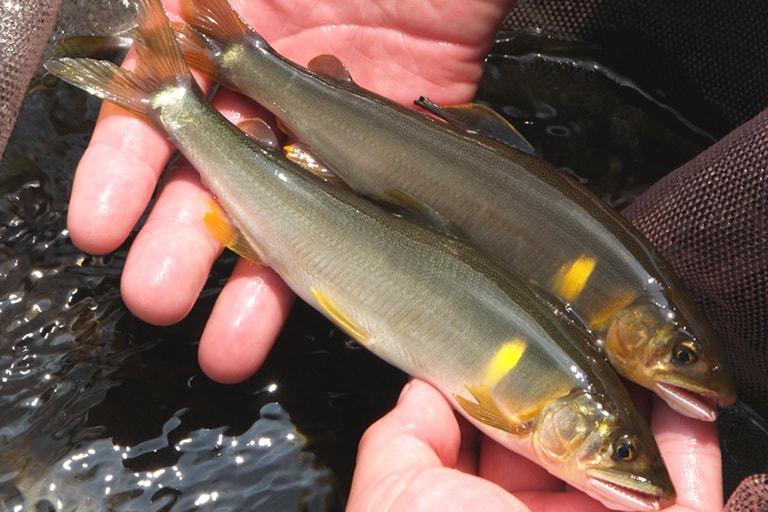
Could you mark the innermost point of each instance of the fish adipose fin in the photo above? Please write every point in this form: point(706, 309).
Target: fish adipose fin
point(477, 119)
point(330, 66)
point(160, 63)
point(218, 224)
point(258, 129)
point(488, 412)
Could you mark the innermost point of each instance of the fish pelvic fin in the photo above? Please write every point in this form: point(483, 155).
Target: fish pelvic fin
point(339, 317)
point(218, 224)
point(487, 411)
point(215, 19)
point(299, 153)
point(160, 62)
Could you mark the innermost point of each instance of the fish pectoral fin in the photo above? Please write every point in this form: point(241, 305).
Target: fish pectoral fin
point(477, 119)
point(337, 315)
point(411, 208)
point(219, 225)
point(258, 129)
point(330, 66)
point(488, 412)
point(299, 153)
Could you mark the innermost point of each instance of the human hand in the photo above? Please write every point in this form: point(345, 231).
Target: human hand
point(401, 49)
point(420, 457)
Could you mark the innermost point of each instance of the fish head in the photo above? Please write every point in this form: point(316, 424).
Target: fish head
point(609, 454)
point(654, 345)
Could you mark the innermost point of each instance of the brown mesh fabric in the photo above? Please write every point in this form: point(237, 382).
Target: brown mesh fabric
point(750, 496)
point(708, 217)
point(24, 29)
point(718, 46)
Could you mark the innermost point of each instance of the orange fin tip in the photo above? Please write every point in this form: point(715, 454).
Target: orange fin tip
point(219, 225)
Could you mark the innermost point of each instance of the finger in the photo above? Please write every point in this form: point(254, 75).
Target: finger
point(424, 422)
point(514, 472)
point(114, 180)
point(247, 318)
point(691, 451)
point(401, 460)
point(469, 450)
point(171, 257)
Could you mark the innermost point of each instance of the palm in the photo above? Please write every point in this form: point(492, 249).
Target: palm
point(419, 455)
point(400, 49)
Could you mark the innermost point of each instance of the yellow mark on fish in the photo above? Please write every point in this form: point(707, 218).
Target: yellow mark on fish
point(338, 316)
point(571, 279)
point(504, 360)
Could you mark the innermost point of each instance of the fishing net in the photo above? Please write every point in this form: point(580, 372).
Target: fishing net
point(25, 26)
point(708, 217)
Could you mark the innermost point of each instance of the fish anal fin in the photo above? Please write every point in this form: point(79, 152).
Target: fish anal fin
point(219, 225)
point(414, 209)
point(300, 154)
point(330, 66)
point(477, 119)
point(487, 411)
point(339, 317)
point(260, 131)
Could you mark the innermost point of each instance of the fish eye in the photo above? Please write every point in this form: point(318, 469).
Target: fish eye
point(625, 449)
point(685, 352)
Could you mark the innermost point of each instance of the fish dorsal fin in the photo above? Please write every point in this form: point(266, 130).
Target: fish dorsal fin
point(218, 224)
point(488, 412)
point(300, 154)
point(405, 205)
point(259, 130)
point(330, 66)
point(478, 119)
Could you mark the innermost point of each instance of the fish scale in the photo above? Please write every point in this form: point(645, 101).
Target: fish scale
point(573, 248)
point(422, 300)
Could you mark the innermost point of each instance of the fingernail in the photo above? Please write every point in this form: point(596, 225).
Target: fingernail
point(404, 391)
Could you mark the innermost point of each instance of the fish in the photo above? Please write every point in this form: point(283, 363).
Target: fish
point(426, 302)
point(474, 177)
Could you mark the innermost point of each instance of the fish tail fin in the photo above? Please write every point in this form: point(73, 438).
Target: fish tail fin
point(160, 63)
point(199, 52)
point(215, 19)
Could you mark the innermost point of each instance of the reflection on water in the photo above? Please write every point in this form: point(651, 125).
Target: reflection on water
point(263, 467)
point(99, 411)
point(583, 109)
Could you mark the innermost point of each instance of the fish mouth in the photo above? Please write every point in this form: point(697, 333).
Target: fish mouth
point(697, 404)
point(619, 491)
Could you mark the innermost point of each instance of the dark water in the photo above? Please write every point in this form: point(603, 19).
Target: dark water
point(99, 411)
